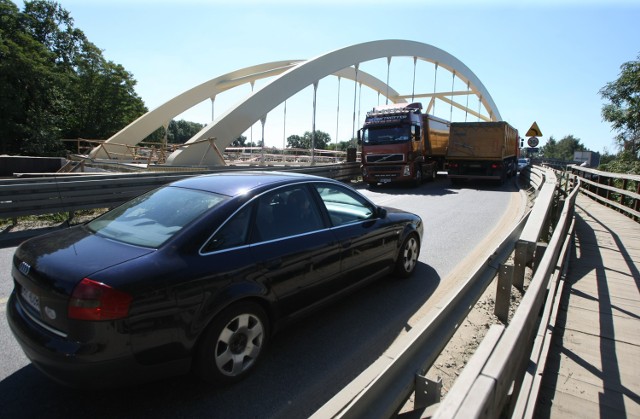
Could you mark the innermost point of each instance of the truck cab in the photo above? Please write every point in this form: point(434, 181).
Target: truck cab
point(396, 147)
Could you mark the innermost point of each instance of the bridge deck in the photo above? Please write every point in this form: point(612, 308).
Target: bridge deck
point(593, 369)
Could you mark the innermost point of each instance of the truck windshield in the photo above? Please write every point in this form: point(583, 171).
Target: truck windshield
point(386, 135)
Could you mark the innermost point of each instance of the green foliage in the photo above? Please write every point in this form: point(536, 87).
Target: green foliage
point(322, 140)
point(625, 162)
point(56, 84)
point(178, 132)
point(239, 142)
point(181, 131)
point(341, 146)
point(563, 149)
point(623, 109)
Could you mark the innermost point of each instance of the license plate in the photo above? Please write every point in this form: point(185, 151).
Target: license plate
point(31, 299)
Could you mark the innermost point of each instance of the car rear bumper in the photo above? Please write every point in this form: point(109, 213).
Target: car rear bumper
point(66, 361)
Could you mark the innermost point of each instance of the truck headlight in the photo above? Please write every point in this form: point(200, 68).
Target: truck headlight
point(407, 170)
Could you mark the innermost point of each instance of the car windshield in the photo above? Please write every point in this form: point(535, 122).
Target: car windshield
point(386, 135)
point(151, 219)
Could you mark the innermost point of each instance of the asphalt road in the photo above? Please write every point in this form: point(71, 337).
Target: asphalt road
point(307, 363)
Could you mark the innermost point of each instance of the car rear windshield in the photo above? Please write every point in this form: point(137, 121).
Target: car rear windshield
point(153, 218)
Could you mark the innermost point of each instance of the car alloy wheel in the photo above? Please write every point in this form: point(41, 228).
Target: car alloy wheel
point(234, 342)
point(408, 257)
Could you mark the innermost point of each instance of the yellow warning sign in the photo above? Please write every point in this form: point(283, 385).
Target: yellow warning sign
point(534, 131)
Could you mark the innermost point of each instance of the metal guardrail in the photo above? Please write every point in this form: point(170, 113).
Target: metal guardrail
point(383, 388)
point(499, 382)
point(72, 192)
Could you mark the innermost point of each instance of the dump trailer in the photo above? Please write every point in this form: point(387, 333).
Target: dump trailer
point(482, 150)
point(401, 144)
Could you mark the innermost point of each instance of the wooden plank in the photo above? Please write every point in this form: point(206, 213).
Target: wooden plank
point(595, 362)
point(604, 327)
point(619, 306)
point(566, 405)
point(623, 292)
point(596, 353)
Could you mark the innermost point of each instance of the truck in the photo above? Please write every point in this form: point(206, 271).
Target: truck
point(402, 144)
point(482, 150)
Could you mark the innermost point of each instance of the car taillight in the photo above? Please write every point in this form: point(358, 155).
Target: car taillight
point(93, 300)
point(496, 166)
point(453, 165)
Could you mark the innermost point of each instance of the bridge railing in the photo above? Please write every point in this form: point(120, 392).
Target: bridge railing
point(483, 389)
point(616, 190)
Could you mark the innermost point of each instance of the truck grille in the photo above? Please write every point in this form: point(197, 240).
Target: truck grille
point(384, 158)
point(385, 169)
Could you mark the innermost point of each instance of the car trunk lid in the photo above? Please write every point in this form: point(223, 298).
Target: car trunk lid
point(46, 270)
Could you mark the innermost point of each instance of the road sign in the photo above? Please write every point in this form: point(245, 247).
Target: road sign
point(533, 142)
point(534, 130)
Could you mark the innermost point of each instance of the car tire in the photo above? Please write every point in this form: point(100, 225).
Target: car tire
point(233, 344)
point(408, 257)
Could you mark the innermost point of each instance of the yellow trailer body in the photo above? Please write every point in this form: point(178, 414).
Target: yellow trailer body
point(482, 150)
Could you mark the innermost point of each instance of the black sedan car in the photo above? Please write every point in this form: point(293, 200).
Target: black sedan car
point(197, 275)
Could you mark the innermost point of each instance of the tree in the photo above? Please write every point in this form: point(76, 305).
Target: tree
point(563, 149)
point(549, 150)
point(30, 101)
point(322, 140)
point(341, 146)
point(239, 142)
point(181, 131)
point(103, 97)
point(56, 84)
point(623, 109)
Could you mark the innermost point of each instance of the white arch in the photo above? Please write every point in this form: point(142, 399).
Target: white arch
point(260, 102)
point(133, 133)
point(299, 74)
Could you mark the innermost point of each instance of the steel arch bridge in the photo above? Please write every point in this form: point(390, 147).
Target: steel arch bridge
point(288, 78)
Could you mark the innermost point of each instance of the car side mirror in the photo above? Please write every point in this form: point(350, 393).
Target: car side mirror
point(382, 212)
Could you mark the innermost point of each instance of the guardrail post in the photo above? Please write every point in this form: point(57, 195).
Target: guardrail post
point(503, 293)
point(427, 391)
point(523, 256)
point(540, 249)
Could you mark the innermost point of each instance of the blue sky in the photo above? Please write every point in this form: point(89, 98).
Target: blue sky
point(542, 61)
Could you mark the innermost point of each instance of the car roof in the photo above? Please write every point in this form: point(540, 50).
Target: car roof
point(237, 183)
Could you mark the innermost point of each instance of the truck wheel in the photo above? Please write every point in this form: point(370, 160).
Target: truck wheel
point(233, 343)
point(434, 174)
point(417, 181)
